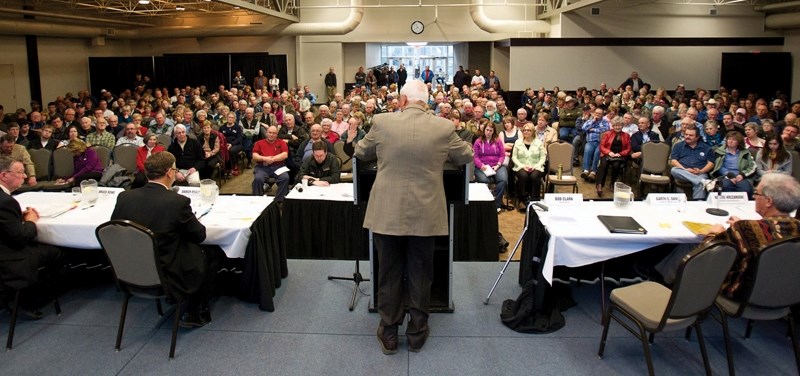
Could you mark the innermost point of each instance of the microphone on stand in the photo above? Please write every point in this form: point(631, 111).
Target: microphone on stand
point(718, 188)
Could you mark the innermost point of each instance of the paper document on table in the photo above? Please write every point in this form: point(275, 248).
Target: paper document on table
point(54, 210)
point(698, 228)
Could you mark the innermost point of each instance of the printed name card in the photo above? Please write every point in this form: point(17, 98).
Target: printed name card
point(109, 191)
point(563, 198)
point(727, 198)
point(666, 198)
point(189, 191)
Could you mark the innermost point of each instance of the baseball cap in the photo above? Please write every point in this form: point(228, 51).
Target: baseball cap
point(741, 111)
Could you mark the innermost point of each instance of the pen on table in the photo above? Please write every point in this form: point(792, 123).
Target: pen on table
point(88, 207)
point(70, 208)
point(204, 213)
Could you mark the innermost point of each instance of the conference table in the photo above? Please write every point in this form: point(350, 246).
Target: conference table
point(324, 223)
point(578, 238)
point(244, 227)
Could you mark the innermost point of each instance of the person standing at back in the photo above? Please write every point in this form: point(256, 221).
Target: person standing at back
point(407, 208)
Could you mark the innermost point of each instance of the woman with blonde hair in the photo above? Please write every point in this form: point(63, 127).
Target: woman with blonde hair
point(529, 157)
point(87, 164)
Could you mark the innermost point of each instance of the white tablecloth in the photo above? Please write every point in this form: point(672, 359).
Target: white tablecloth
point(578, 238)
point(344, 192)
point(227, 224)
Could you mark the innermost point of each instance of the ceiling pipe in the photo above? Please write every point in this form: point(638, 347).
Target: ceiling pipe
point(777, 6)
point(328, 28)
point(490, 25)
point(782, 21)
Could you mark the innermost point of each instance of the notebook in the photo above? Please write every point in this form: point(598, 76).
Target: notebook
point(621, 224)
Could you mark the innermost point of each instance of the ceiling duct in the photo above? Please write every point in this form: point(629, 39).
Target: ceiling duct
point(490, 25)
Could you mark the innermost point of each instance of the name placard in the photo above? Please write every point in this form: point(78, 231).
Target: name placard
point(727, 198)
point(563, 198)
point(109, 191)
point(189, 191)
point(666, 198)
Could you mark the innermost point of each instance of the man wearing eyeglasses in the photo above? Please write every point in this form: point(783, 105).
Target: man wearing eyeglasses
point(20, 255)
point(775, 197)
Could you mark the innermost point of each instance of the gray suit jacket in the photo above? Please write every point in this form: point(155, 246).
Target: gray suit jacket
point(412, 147)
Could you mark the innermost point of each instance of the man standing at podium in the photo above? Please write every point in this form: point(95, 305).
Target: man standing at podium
point(407, 208)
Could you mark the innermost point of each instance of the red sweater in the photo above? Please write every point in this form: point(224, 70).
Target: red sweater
point(608, 138)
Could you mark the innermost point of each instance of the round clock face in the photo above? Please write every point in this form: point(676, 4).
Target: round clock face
point(417, 27)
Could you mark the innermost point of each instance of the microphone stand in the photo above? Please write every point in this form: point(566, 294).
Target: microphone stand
point(717, 211)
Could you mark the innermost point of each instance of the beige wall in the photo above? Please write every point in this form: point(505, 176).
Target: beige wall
point(64, 60)
point(14, 55)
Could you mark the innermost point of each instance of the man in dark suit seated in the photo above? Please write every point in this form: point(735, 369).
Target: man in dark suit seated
point(189, 270)
point(20, 256)
point(45, 140)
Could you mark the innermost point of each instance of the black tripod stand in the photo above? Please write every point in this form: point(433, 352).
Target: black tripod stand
point(357, 278)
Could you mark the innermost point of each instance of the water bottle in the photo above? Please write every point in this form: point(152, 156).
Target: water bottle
point(560, 170)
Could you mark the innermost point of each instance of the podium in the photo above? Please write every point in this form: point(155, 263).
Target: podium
point(456, 187)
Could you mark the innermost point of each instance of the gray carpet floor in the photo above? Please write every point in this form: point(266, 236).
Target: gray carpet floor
point(311, 332)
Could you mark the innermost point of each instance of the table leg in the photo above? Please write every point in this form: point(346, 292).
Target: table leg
point(602, 291)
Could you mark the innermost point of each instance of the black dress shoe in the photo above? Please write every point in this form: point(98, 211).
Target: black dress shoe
point(192, 320)
point(387, 340)
point(416, 346)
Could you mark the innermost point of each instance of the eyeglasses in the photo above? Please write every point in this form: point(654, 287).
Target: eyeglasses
point(18, 173)
point(527, 130)
point(758, 194)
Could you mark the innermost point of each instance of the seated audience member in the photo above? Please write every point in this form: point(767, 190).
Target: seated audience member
point(251, 132)
point(327, 133)
point(87, 164)
point(461, 130)
point(712, 137)
point(293, 136)
point(615, 148)
point(354, 133)
point(189, 157)
point(509, 135)
point(567, 118)
point(22, 256)
point(752, 141)
point(489, 155)
point(774, 158)
point(529, 157)
point(73, 133)
point(776, 197)
point(10, 149)
point(161, 125)
point(131, 136)
point(339, 125)
point(211, 149)
point(643, 136)
point(235, 139)
point(86, 127)
point(145, 151)
point(14, 131)
point(114, 126)
point(188, 269)
point(45, 140)
point(100, 137)
point(593, 128)
point(691, 161)
point(269, 156)
point(735, 164)
point(304, 150)
point(628, 125)
point(543, 132)
point(322, 169)
point(659, 123)
point(789, 136)
point(729, 125)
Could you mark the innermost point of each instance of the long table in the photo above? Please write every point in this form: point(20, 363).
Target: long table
point(323, 223)
point(578, 238)
point(247, 227)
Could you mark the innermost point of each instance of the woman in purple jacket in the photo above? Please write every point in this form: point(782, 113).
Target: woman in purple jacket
point(87, 164)
point(489, 156)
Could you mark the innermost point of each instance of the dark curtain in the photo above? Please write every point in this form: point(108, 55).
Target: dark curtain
point(180, 70)
point(116, 74)
point(250, 63)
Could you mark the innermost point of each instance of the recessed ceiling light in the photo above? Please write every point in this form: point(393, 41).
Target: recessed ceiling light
point(144, 2)
point(180, 8)
point(416, 44)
